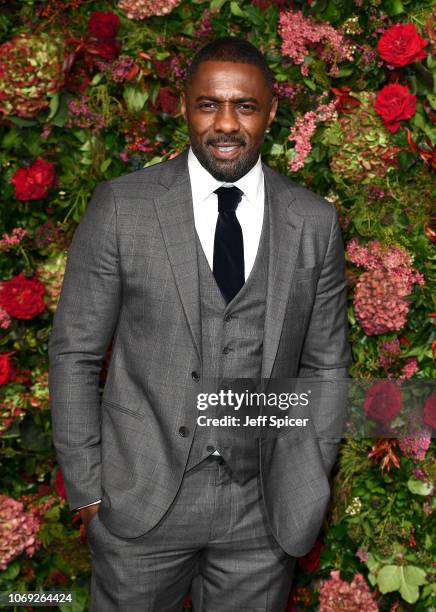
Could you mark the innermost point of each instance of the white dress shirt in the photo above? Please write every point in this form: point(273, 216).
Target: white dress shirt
point(249, 211)
point(205, 202)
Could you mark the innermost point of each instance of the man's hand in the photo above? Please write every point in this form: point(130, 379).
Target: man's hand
point(87, 513)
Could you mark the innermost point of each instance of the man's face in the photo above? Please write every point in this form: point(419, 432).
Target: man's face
point(228, 106)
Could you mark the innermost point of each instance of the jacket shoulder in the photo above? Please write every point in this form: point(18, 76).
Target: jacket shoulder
point(150, 181)
point(306, 202)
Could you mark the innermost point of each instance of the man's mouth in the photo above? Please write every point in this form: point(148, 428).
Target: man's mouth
point(225, 150)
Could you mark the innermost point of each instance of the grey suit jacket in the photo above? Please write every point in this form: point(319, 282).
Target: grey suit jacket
point(131, 276)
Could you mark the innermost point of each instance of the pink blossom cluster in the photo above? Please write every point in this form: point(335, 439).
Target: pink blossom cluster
point(409, 368)
point(336, 594)
point(7, 241)
point(121, 67)
point(5, 319)
point(140, 9)
point(303, 130)
point(176, 66)
point(82, 116)
point(369, 55)
point(374, 192)
point(415, 447)
point(18, 530)
point(300, 33)
point(204, 29)
point(379, 298)
point(390, 352)
point(288, 90)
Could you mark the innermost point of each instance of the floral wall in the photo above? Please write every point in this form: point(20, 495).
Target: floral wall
point(89, 91)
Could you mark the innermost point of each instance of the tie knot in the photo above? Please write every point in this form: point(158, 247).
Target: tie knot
point(228, 198)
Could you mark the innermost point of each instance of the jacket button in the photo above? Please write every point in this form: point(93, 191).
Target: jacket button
point(226, 350)
point(195, 375)
point(210, 448)
point(183, 431)
point(228, 318)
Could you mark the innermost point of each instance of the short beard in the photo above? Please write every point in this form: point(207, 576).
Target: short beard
point(228, 171)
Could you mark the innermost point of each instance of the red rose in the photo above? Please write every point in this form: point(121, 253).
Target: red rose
point(5, 368)
point(107, 48)
point(382, 402)
point(401, 45)
point(429, 415)
point(33, 182)
point(103, 24)
point(310, 561)
point(394, 103)
point(22, 297)
point(59, 485)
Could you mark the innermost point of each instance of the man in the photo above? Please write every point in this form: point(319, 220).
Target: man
point(206, 267)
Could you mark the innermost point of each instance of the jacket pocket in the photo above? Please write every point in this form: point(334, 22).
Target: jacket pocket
point(115, 406)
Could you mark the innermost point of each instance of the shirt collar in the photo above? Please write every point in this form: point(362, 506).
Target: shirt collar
point(203, 183)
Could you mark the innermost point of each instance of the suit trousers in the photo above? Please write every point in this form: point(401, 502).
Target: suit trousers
point(214, 542)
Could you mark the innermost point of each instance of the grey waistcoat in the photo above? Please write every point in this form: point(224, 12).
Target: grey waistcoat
point(232, 348)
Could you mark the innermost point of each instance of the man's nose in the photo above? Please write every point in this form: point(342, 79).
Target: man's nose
point(226, 119)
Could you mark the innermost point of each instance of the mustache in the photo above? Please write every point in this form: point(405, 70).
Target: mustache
point(225, 140)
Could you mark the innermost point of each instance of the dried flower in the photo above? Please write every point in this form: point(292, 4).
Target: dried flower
point(30, 73)
point(140, 9)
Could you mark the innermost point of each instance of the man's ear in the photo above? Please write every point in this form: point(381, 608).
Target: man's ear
point(183, 104)
point(272, 112)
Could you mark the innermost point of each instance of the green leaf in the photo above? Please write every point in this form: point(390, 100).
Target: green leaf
point(394, 7)
point(217, 4)
point(54, 105)
point(405, 579)
point(11, 572)
point(105, 165)
point(236, 10)
point(22, 122)
point(254, 15)
point(419, 487)
point(389, 579)
point(135, 98)
point(310, 84)
point(276, 149)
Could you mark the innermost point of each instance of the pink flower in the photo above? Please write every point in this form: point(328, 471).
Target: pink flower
point(304, 129)
point(18, 530)
point(410, 368)
point(300, 33)
point(379, 297)
point(140, 9)
point(336, 594)
point(415, 446)
point(5, 319)
point(9, 240)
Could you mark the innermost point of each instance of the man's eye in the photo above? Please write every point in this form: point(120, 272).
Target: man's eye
point(246, 107)
point(208, 105)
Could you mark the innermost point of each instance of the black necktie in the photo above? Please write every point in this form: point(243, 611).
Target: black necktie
point(228, 251)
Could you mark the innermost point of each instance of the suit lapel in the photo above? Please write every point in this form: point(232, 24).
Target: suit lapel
point(285, 227)
point(174, 210)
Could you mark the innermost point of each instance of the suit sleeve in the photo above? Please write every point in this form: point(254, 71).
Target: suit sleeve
point(326, 353)
point(83, 325)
